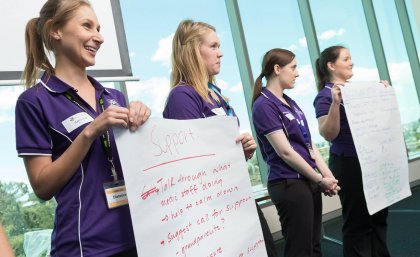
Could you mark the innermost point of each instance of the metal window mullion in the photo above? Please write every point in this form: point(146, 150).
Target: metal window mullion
point(375, 38)
point(310, 32)
point(410, 44)
point(245, 71)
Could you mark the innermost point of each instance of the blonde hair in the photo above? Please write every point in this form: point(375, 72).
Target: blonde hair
point(187, 63)
point(53, 15)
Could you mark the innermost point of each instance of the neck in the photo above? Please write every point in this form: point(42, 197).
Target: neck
point(338, 80)
point(276, 89)
point(73, 76)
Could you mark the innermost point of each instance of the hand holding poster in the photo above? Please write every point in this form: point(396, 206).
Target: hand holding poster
point(375, 125)
point(189, 190)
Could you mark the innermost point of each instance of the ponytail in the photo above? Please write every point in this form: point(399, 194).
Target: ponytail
point(257, 88)
point(36, 58)
point(322, 78)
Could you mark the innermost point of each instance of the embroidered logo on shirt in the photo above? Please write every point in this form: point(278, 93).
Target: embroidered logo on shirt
point(113, 102)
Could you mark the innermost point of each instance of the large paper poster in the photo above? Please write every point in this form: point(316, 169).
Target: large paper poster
point(189, 190)
point(375, 124)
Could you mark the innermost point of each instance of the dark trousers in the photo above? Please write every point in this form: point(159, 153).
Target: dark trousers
point(364, 235)
point(268, 237)
point(299, 206)
point(129, 253)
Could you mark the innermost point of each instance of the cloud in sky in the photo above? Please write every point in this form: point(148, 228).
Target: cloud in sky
point(163, 52)
point(302, 42)
point(8, 97)
point(329, 34)
point(152, 92)
point(305, 83)
point(326, 35)
point(292, 47)
point(237, 88)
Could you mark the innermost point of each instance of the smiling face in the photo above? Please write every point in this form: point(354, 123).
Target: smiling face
point(211, 53)
point(78, 40)
point(342, 69)
point(287, 74)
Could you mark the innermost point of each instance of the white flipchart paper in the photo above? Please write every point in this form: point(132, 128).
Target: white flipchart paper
point(189, 190)
point(375, 124)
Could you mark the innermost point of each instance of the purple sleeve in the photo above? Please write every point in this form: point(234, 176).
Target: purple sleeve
point(32, 132)
point(322, 104)
point(266, 119)
point(183, 103)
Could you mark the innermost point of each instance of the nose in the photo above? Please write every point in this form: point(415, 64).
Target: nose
point(297, 74)
point(98, 38)
point(220, 54)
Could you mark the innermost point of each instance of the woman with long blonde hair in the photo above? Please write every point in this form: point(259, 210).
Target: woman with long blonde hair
point(196, 59)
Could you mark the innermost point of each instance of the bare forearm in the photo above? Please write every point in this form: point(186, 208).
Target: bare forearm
point(48, 177)
point(329, 125)
point(294, 160)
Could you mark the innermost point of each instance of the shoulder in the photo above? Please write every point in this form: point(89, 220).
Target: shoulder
point(33, 95)
point(262, 104)
point(183, 94)
point(183, 90)
point(323, 95)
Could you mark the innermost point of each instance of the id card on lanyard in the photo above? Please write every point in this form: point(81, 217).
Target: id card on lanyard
point(115, 191)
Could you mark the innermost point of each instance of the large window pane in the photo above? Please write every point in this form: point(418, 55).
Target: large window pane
point(280, 26)
point(21, 213)
point(150, 26)
point(343, 23)
point(400, 72)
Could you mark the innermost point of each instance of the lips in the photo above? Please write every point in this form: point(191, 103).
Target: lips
point(91, 49)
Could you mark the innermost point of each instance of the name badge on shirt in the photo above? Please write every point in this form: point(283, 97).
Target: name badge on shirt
point(116, 194)
point(75, 121)
point(219, 111)
point(289, 116)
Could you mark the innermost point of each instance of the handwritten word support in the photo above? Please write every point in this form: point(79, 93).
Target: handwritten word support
point(187, 181)
point(375, 124)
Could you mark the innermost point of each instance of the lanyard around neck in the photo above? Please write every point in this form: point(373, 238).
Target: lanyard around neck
point(105, 138)
point(226, 104)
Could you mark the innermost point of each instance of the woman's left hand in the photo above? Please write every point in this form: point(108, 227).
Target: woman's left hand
point(138, 114)
point(248, 144)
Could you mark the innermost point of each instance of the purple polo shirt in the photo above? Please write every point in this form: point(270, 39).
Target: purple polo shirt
point(184, 103)
point(343, 144)
point(268, 112)
point(81, 204)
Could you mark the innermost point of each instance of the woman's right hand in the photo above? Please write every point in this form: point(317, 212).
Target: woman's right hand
point(336, 94)
point(328, 183)
point(112, 116)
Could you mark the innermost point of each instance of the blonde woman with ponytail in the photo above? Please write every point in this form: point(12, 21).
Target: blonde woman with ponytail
point(64, 132)
point(196, 59)
point(297, 173)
